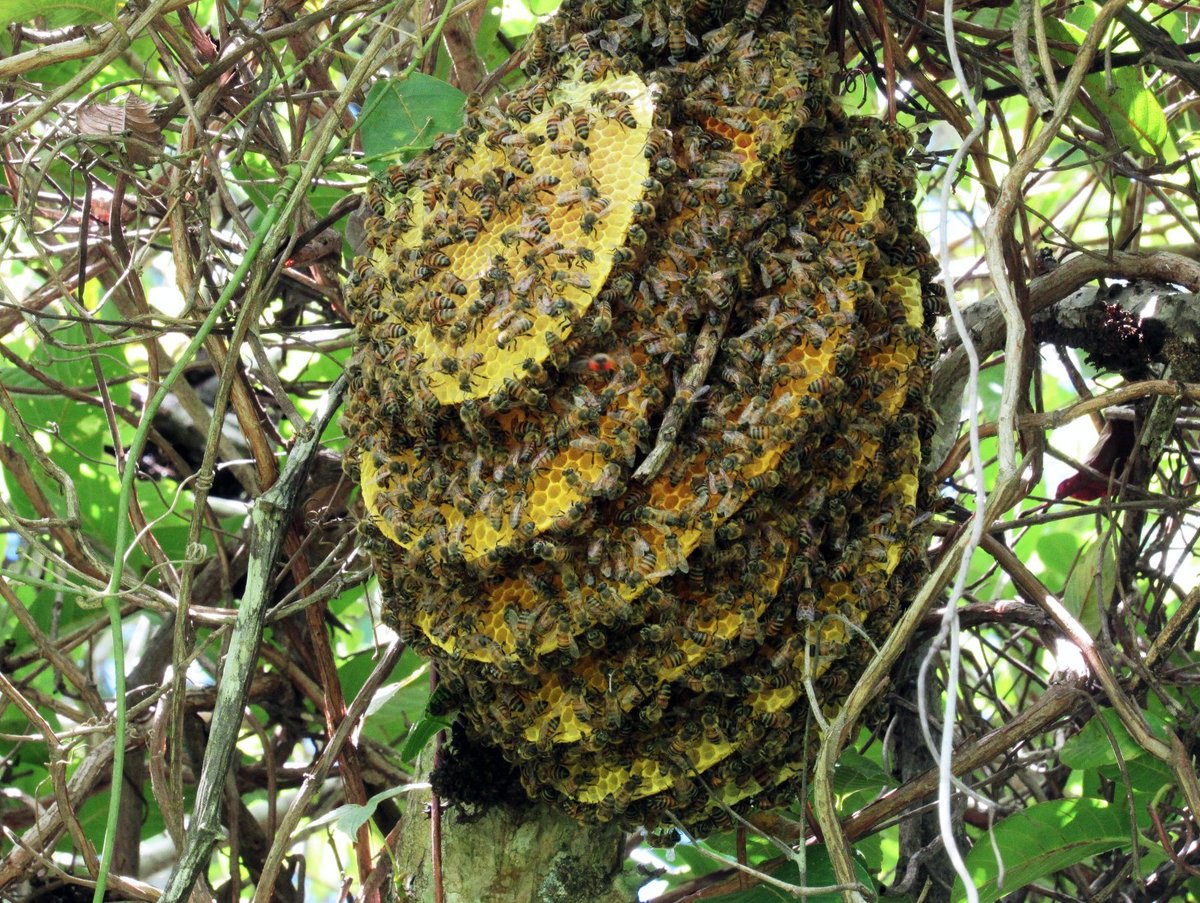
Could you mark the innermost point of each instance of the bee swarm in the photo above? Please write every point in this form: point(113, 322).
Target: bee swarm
point(639, 405)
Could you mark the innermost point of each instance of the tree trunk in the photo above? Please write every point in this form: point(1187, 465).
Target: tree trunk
point(533, 855)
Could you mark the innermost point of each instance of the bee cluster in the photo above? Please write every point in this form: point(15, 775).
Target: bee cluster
point(639, 405)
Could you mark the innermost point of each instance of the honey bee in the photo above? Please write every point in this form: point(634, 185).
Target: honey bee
point(578, 44)
point(579, 280)
point(621, 113)
point(565, 643)
point(582, 123)
point(678, 37)
point(564, 146)
point(593, 12)
point(436, 259)
point(643, 209)
point(764, 481)
point(397, 179)
point(521, 110)
point(521, 160)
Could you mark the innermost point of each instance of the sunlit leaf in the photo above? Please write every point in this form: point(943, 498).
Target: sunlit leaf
point(1092, 747)
point(1119, 98)
point(1056, 550)
point(349, 818)
point(58, 14)
point(1040, 840)
point(422, 732)
point(402, 116)
point(818, 873)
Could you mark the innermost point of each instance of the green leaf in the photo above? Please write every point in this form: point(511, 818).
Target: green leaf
point(855, 772)
point(1080, 597)
point(349, 818)
point(1147, 777)
point(1057, 551)
point(1133, 112)
point(402, 117)
point(422, 732)
point(517, 20)
point(58, 14)
point(818, 873)
point(396, 705)
point(1122, 102)
point(688, 855)
point(487, 44)
point(77, 439)
point(1091, 747)
point(1041, 840)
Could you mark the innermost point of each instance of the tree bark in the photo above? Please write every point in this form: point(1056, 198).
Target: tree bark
point(533, 855)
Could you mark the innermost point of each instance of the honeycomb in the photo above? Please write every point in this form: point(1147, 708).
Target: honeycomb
point(639, 405)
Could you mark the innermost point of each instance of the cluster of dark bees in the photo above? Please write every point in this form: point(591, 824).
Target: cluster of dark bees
point(639, 405)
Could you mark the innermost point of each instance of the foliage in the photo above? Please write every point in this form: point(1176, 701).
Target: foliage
point(143, 155)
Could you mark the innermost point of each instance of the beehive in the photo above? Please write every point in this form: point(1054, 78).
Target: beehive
point(639, 405)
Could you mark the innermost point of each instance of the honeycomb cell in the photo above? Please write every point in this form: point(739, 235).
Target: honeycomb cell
point(529, 235)
point(639, 406)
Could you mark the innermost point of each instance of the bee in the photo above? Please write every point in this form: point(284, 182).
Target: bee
point(397, 179)
point(551, 306)
point(643, 209)
point(578, 704)
point(362, 267)
point(592, 12)
point(568, 255)
point(564, 642)
point(578, 44)
point(527, 234)
point(520, 159)
point(678, 37)
point(622, 255)
point(453, 284)
point(826, 386)
point(537, 97)
point(436, 259)
point(582, 123)
point(391, 331)
point(622, 114)
point(764, 481)
point(550, 551)
point(516, 139)
point(547, 731)
point(579, 280)
point(521, 111)
point(430, 193)
point(771, 270)
point(597, 67)
point(564, 146)
point(544, 182)
point(532, 368)
point(518, 506)
point(595, 203)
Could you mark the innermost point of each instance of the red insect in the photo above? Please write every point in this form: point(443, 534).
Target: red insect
point(601, 363)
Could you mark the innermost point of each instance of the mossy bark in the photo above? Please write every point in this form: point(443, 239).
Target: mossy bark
point(533, 855)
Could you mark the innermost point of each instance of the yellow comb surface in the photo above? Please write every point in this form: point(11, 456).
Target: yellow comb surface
point(639, 406)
